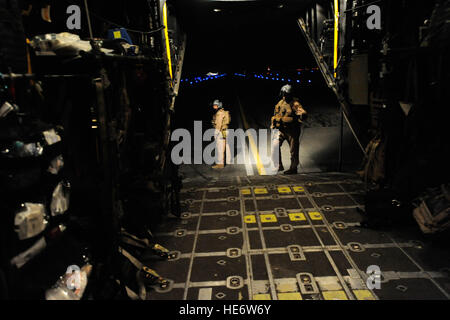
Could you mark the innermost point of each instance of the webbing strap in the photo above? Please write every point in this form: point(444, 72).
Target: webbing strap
point(132, 259)
point(144, 240)
point(130, 293)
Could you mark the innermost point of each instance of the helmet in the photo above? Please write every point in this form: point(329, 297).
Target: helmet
point(285, 90)
point(218, 103)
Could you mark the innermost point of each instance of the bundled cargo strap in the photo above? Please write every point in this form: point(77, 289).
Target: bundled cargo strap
point(145, 276)
point(132, 259)
point(432, 212)
point(130, 293)
point(145, 243)
point(374, 163)
point(142, 291)
point(132, 240)
point(150, 276)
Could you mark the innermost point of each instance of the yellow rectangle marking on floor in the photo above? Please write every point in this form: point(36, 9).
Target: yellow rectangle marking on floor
point(286, 287)
point(268, 218)
point(297, 216)
point(250, 219)
point(290, 296)
point(264, 296)
point(246, 192)
point(334, 295)
point(205, 294)
point(315, 215)
point(284, 190)
point(261, 191)
point(363, 295)
point(299, 189)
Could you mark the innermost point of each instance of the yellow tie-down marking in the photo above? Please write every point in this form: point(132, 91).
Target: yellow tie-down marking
point(246, 192)
point(266, 218)
point(314, 215)
point(297, 216)
point(262, 296)
point(363, 295)
point(284, 190)
point(290, 296)
point(298, 189)
point(250, 219)
point(260, 191)
point(334, 295)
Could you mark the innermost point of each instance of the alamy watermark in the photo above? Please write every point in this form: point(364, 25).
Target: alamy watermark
point(374, 279)
point(74, 20)
point(374, 20)
point(189, 148)
point(73, 277)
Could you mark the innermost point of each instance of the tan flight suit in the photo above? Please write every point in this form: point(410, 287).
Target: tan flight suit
point(220, 127)
point(287, 120)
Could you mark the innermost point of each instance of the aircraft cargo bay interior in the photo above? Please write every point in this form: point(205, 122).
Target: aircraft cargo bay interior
point(224, 150)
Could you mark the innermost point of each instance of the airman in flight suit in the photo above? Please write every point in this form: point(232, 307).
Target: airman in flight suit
point(287, 118)
point(220, 122)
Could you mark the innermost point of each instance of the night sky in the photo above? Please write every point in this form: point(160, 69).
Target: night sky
point(243, 36)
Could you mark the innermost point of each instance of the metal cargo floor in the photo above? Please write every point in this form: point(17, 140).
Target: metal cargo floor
point(291, 237)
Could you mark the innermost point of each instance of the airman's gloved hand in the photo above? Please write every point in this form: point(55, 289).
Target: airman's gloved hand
point(276, 122)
